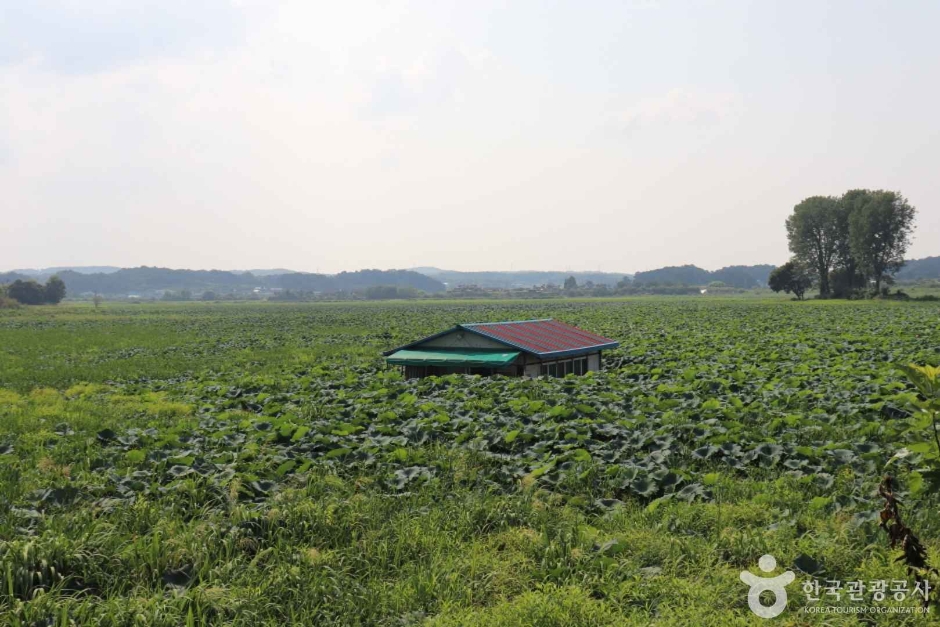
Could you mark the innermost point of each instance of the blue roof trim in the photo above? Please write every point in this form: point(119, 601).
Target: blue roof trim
point(578, 351)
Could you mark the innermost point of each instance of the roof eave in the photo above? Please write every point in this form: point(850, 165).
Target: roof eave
point(577, 351)
point(459, 358)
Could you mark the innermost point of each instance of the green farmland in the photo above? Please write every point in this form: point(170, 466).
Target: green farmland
point(257, 464)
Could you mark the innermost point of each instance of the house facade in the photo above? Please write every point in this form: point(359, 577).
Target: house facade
point(518, 348)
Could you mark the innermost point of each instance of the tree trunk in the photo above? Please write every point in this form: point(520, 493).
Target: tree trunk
point(823, 282)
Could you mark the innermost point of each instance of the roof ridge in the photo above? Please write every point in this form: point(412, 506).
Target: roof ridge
point(483, 324)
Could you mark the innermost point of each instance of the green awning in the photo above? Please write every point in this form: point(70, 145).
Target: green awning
point(462, 357)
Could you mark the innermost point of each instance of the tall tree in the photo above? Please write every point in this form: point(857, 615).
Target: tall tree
point(571, 283)
point(851, 274)
point(814, 234)
point(880, 232)
point(790, 277)
point(54, 290)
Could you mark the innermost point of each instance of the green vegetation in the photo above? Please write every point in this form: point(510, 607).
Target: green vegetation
point(853, 242)
point(32, 293)
point(221, 463)
point(791, 277)
point(926, 424)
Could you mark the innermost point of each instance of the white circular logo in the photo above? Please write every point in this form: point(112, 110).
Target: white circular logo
point(776, 585)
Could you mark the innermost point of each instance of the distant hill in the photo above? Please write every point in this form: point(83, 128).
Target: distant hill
point(355, 281)
point(16, 275)
point(428, 270)
point(149, 281)
point(735, 275)
point(265, 272)
point(745, 277)
point(914, 269)
point(521, 278)
point(44, 273)
point(674, 275)
point(756, 276)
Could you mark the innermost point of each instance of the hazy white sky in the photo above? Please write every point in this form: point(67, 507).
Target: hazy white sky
point(618, 136)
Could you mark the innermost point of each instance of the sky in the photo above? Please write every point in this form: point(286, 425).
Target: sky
point(487, 135)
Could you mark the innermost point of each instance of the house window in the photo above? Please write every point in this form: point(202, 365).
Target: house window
point(561, 369)
point(580, 365)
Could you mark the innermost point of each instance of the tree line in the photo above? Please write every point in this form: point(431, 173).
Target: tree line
point(846, 246)
point(30, 292)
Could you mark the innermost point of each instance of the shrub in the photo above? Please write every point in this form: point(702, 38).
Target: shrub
point(32, 293)
point(8, 303)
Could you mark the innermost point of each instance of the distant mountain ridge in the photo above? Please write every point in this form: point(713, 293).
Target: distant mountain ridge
point(151, 280)
point(926, 268)
point(42, 273)
point(508, 279)
point(145, 280)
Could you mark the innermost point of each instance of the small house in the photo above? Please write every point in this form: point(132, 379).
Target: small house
point(520, 348)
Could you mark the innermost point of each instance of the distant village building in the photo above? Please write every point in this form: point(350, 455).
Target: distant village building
point(521, 348)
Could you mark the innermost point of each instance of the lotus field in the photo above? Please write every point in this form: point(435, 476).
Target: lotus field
point(257, 464)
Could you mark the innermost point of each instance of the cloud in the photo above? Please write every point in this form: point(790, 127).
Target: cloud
point(86, 37)
point(680, 107)
point(432, 81)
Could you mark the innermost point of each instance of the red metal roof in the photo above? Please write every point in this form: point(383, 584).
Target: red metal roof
point(542, 337)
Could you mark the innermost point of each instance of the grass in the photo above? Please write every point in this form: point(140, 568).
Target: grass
point(339, 551)
point(335, 546)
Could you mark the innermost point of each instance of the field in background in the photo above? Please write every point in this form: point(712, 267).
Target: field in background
point(165, 464)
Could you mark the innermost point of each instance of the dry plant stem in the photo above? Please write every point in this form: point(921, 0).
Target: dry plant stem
point(936, 433)
point(914, 554)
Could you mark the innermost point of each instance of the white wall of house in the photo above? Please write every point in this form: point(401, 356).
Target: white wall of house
point(563, 366)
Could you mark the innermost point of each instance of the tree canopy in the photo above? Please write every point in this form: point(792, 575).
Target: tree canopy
point(791, 277)
point(849, 242)
point(32, 293)
point(814, 232)
point(879, 233)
